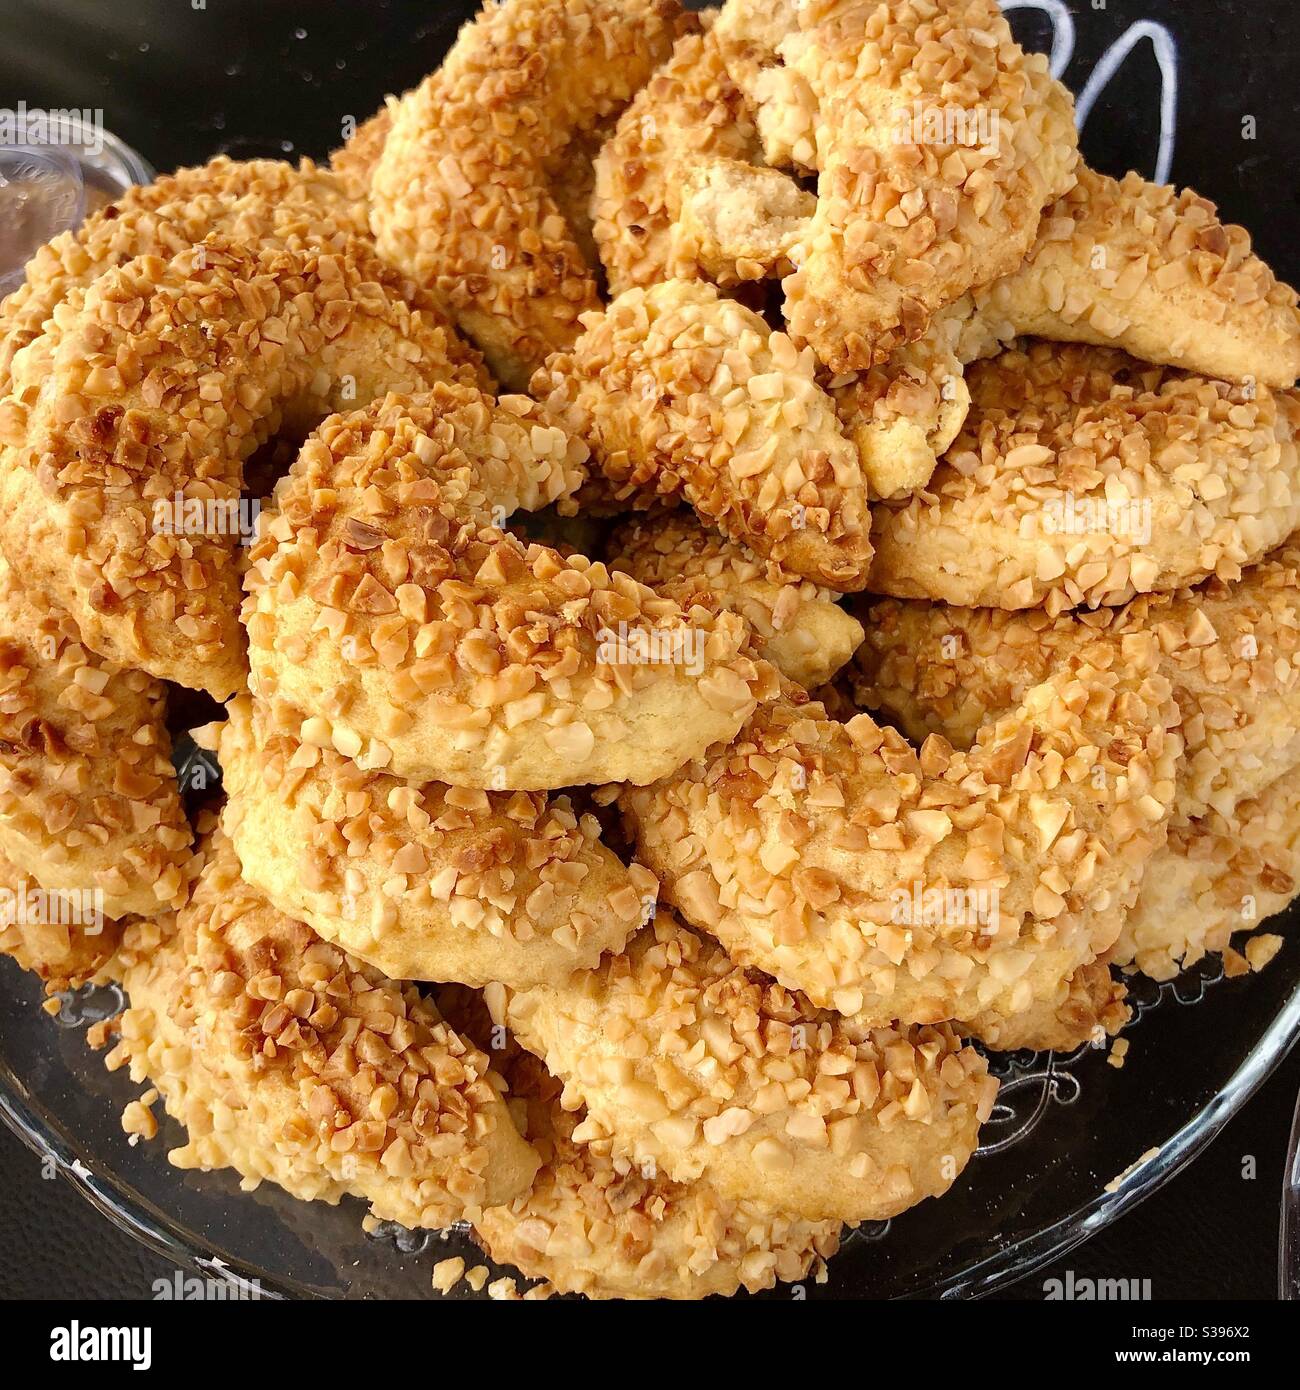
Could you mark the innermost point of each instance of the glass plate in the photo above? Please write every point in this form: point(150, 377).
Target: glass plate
point(1073, 1143)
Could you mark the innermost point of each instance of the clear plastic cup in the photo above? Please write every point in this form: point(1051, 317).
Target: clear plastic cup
point(51, 180)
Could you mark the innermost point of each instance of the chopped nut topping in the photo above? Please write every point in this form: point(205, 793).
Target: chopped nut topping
point(459, 194)
point(686, 1062)
point(292, 1102)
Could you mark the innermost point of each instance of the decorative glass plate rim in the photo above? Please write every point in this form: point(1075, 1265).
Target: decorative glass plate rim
point(143, 1220)
point(1031, 1252)
point(1288, 1253)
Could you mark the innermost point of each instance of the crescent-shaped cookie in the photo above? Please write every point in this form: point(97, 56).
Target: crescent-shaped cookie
point(388, 608)
point(798, 625)
point(679, 390)
point(424, 882)
point(461, 197)
point(892, 883)
point(600, 1225)
point(687, 1062)
point(937, 142)
point(291, 1062)
point(1082, 477)
point(1230, 651)
point(122, 460)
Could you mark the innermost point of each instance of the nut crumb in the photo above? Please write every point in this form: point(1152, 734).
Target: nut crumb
point(447, 1274)
point(1234, 964)
point(1261, 949)
point(139, 1120)
point(1117, 1182)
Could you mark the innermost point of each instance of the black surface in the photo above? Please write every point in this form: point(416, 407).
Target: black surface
point(279, 77)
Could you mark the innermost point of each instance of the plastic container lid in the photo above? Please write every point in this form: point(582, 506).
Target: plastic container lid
point(48, 185)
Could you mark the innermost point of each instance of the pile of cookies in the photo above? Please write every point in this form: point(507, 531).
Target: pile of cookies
point(782, 586)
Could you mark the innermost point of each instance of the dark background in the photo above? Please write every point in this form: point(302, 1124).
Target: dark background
point(183, 79)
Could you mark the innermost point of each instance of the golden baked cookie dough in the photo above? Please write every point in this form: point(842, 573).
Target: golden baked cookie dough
point(88, 795)
point(681, 191)
point(1116, 263)
point(261, 201)
point(426, 882)
point(122, 456)
point(1083, 477)
point(58, 937)
point(896, 883)
point(1220, 874)
point(601, 1225)
point(355, 161)
point(1147, 268)
point(289, 1061)
point(461, 197)
point(681, 391)
point(800, 626)
point(388, 608)
point(686, 1061)
point(1089, 1007)
point(1230, 650)
point(936, 139)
